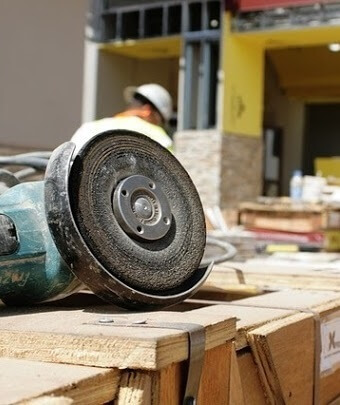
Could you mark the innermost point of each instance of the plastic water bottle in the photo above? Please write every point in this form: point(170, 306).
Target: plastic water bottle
point(296, 186)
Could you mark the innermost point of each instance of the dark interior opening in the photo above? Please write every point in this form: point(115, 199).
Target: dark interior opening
point(214, 15)
point(195, 17)
point(130, 25)
point(153, 22)
point(174, 19)
point(213, 84)
point(321, 138)
point(110, 22)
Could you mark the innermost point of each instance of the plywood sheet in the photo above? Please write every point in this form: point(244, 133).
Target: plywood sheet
point(23, 380)
point(78, 337)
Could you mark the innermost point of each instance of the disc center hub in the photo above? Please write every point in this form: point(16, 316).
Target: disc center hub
point(141, 208)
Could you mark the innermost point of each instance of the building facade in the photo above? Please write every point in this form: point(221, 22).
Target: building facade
point(255, 82)
point(181, 45)
point(294, 46)
point(246, 75)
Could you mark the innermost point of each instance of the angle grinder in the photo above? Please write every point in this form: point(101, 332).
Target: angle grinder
point(120, 215)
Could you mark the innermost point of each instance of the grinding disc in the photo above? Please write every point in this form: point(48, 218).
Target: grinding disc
point(166, 248)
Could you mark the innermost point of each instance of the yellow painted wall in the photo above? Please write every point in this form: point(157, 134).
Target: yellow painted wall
point(243, 66)
point(328, 166)
point(153, 48)
point(308, 73)
point(292, 36)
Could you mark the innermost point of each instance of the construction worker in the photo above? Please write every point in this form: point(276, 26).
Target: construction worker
point(149, 108)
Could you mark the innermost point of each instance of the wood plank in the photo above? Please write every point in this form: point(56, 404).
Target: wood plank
point(251, 383)
point(284, 355)
point(263, 275)
point(167, 386)
point(229, 293)
point(47, 400)
point(215, 380)
point(23, 380)
point(75, 336)
point(135, 388)
point(329, 388)
point(236, 394)
point(214, 384)
point(248, 317)
point(282, 221)
point(170, 385)
point(291, 299)
point(282, 205)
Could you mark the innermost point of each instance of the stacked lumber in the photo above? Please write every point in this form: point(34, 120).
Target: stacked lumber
point(282, 215)
point(287, 346)
point(282, 219)
point(267, 274)
point(102, 354)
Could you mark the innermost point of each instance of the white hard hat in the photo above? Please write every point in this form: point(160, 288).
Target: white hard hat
point(156, 94)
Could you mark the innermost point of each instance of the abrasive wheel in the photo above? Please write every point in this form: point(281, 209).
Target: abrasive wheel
point(137, 216)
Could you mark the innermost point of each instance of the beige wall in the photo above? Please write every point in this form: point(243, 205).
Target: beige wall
point(115, 72)
point(41, 69)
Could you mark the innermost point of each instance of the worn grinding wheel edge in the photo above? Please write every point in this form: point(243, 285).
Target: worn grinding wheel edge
point(136, 264)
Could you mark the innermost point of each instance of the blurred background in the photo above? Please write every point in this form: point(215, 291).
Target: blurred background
point(256, 83)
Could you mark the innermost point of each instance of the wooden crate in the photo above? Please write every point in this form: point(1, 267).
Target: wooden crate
point(271, 360)
point(277, 346)
point(144, 354)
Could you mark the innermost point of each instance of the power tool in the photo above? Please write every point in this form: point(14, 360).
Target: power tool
point(119, 215)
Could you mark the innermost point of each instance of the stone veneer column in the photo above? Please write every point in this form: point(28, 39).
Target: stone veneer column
point(226, 169)
point(200, 154)
point(241, 170)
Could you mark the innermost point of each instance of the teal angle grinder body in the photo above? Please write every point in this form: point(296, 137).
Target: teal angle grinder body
point(119, 215)
point(31, 268)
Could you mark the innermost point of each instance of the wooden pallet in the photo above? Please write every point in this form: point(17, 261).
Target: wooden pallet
point(148, 362)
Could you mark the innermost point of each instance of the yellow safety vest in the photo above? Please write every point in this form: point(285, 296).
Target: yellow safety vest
point(132, 123)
